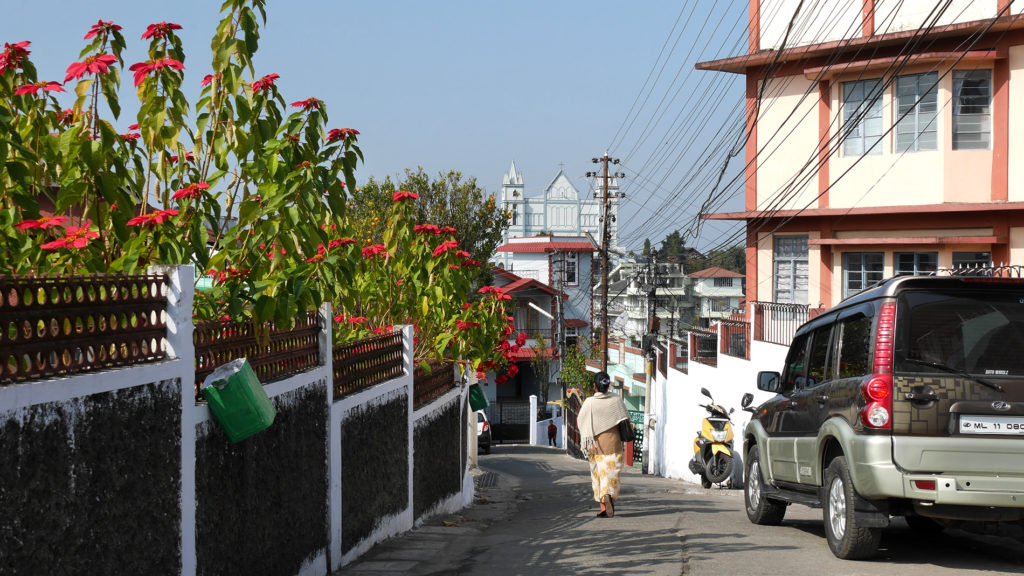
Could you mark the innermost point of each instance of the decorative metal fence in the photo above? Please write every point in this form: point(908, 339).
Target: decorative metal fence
point(680, 352)
point(510, 421)
point(272, 356)
point(365, 363)
point(429, 384)
point(62, 326)
point(704, 347)
point(734, 338)
point(777, 323)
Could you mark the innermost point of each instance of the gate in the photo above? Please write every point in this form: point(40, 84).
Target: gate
point(510, 421)
point(637, 418)
point(572, 433)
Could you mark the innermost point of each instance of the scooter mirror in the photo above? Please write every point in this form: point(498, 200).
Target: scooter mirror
point(747, 399)
point(705, 392)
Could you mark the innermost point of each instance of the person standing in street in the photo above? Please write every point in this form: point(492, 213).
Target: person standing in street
point(600, 440)
point(552, 432)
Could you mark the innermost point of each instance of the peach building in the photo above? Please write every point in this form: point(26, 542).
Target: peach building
point(885, 137)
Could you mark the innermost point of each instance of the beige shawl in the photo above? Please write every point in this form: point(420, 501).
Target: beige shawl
point(600, 412)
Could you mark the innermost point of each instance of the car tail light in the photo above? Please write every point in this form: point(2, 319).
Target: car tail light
point(486, 427)
point(877, 391)
point(924, 484)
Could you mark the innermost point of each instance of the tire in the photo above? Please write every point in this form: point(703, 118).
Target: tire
point(846, 538)
point(760, 509)
point(704, 482)
point(719, 469)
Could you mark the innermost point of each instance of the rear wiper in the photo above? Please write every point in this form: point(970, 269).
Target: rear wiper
point(951, 370)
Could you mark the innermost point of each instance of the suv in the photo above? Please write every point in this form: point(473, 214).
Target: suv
point(904, 400)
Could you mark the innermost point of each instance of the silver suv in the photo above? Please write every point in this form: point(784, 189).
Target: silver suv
point(904, 400)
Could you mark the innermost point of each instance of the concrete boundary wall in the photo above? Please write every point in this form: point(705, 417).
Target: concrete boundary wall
point(94, 396)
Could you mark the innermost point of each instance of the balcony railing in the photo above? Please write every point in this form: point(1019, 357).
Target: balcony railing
point(777, 323)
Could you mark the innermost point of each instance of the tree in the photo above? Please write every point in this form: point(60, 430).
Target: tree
point(448, 201)
point(541, 356)
point(574, 368)
point(647, 247)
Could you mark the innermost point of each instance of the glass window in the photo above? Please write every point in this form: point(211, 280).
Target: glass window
point(572, 268)
point(862, 117)
point(817, 362)
point(972, 260)
point(916, 263)
point(790, 263)
point(855, 347)
point(916, 112)
point(861, 270)
point(723, 282)
point(795, 371)
point(972, 109)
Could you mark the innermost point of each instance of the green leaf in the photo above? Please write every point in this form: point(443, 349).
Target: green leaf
point(265, 308)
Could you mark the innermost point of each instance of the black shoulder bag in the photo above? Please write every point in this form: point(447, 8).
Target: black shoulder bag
point(626, 431)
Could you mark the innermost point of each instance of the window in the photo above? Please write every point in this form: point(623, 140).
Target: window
point(572, 337)
point(855, 347)
point(795, 371)
point(916, 263)
point(972, 260)
point(817, 364)
point(862, 117)
point(723, 282)
point(790, 262)
point(916, 112)
point(972, 112)
point(861, 270)
point(572, 260)
point(514, 210)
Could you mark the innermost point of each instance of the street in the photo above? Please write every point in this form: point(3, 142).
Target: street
point(534, 515)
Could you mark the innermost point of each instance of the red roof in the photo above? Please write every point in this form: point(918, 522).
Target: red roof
point(575, 323)
point(715, 272)
point(524, 284)
point(548, 246)
point(526, 354)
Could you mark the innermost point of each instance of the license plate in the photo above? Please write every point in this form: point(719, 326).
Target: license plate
point(977, 424)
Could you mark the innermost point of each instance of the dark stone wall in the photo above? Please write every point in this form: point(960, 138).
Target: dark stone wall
point(93, 485)
point(375, 466)
point(437, 466)
point(261, 504)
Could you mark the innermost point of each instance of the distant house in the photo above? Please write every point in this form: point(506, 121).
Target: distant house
point(718, 293)
point(628, 301)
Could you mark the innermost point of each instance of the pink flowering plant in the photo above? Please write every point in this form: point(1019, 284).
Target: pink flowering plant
point(247, 186)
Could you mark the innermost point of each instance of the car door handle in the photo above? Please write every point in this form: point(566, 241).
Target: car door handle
point(792, 404)
point(823, 398)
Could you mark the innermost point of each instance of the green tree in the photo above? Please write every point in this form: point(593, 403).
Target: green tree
point(541, 356)
point(647, 247)
point(574, 368)
point(449, 201)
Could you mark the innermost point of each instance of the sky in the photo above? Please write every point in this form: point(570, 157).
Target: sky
point(473, 85)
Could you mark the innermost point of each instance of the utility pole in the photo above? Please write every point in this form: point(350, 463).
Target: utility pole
point(606, 219)
point(651, 281)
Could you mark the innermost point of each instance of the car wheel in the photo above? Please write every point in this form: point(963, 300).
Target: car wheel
point(760, 509)
point(846, 538)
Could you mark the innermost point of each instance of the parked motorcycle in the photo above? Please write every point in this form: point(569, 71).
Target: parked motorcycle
point(712, 449)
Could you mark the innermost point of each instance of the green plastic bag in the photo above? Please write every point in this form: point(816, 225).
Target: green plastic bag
point(477, 398)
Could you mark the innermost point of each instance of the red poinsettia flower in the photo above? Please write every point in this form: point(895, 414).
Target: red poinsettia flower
point(292, 137)
point(265, 83)
point(374, 250)
point(339, 318)
point(521, 339)
point(209, 78)
point(42, 223)
point(159, 30)
point(462, 254)
point(341, 134)
point(307, 104)
point(75, 237)
point(461, 325)
point(101, 26)
point(142, 69)
point(34, 87)
point(404, 195)
point(194, 190)
point(133, 127)
point(189, 157)
point(153, 218)
point(131, 136)
point(444, 247)
point(339, 242)
point(358, 320)
point(448, 230)
point(97, 64)
point(426, 229)
point(13, 55)
point(512, 370)
point(470, 263)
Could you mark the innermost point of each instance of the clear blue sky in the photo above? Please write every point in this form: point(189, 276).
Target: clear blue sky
point(469, 85)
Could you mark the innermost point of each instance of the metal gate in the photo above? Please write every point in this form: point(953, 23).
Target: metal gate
point(510, 421)
point(572, 433)
point(637, 418)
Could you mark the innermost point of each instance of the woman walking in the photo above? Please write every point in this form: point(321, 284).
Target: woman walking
point(600, 440)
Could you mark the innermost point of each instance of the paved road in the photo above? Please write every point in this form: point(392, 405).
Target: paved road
point(534, 516)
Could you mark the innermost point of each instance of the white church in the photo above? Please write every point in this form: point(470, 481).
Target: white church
point(557, 211)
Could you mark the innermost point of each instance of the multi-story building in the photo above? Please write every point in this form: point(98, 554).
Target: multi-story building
point(718, 293)
point(884, 138)
point(629, 302)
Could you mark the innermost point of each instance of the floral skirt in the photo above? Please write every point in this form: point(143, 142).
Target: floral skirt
point(604, 474)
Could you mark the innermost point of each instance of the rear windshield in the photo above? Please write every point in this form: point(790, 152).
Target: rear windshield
point(980, 333)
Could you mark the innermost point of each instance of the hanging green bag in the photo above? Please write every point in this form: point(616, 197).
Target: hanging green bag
point(477, 398)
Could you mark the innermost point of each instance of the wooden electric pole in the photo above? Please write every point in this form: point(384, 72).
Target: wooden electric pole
point(606, 219)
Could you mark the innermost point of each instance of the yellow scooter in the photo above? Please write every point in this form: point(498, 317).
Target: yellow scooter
point(712, 449)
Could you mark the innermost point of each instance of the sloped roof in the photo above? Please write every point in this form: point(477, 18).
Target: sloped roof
point(548, 246)
point(575, 323)
point(716, 272)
